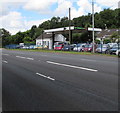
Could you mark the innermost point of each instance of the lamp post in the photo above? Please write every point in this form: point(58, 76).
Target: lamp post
point(93, 25)
point(42, 39)
point(69, 25)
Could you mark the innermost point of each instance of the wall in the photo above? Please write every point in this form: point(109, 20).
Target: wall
point(58, 37)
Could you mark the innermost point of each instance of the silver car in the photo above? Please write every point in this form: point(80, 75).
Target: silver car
point(118, 52)
point(104, 48)
point(79, 47)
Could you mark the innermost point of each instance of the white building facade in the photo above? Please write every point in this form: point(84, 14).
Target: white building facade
point(46, 40)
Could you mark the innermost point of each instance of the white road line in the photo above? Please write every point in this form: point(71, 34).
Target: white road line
point(88, 60)
point(5, 61)
point(25, 57)
point(20, 57)
point(30, 58)
point(45, 76)
point(88, 69)
point(6, 54)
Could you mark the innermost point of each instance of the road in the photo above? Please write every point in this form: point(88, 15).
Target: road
point(38, 81)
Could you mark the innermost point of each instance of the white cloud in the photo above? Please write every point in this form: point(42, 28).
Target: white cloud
point(63, 7)
point(29, 24)
point(14, 22)
point(7, 5)
point(86, 6)
point(42, 6)
point(113, 4)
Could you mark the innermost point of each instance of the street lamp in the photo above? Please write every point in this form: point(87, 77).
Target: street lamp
point(93, 24)
point(69, 25)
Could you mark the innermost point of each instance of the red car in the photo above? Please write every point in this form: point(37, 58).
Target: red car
point(88, 48)
point(58, 47)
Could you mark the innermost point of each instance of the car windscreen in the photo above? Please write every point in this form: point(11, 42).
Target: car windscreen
point(88, 46)
point(103, 45)
point(115, 47)
point(66, 46)
point(78, 45)
point(58, 45)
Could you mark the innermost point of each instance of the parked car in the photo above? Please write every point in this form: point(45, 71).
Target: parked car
point(114, 49)
point(118, 52)
point(35, 47)
point(79, 47)
point(72, 46)
point(102, 48)
point(39, 47)
point(112, 44)
point(25, 47)
point(31, 47)
point(66, 48)
point(88, 48)
point(59, 47)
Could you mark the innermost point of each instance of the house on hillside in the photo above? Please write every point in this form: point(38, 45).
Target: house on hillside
point(46, 39)
point(106, 33)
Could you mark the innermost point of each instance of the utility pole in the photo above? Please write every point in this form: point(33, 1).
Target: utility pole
point(93, 25)
point(42, 39)
point(69, 25)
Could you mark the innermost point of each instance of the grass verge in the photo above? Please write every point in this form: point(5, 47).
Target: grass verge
point(64, 52)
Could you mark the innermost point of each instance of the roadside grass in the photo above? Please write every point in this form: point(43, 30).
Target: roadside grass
point(64, 52)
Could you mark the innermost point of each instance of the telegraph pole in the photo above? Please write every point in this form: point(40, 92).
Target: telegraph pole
point(69, 25)
point(93, 25)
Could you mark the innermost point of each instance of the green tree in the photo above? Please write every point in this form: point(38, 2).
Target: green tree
point(4, 34)
point(32, 31)
point(45, 25)
point(27, 39)
point(105, 41)
point(76, 37)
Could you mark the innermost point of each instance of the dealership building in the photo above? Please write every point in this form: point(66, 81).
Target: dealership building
point(49, 37)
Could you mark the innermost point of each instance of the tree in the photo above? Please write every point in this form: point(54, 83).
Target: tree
point(27, 39)
point(38, 32)
point(32, 31)
point(105, 41)
point(76, 37)
point(97, 41)
point(45, 25)
point(4, 34)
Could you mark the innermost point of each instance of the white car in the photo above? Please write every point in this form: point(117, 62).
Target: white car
point(118, 52)
point(79, 47)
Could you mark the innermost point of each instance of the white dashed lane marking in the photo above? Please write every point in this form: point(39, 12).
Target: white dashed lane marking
point(88, 60)
point(45, 76)
point(5, 61)
point(77, 67)
point(25, 57)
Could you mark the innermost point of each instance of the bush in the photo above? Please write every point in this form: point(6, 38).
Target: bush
point(107, 41)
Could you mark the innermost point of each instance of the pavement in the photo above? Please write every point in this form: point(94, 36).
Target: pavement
point(38, 81)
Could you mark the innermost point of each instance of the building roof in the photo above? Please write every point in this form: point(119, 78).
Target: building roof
point(72, 28)
point(45, 36)
point(106, 32)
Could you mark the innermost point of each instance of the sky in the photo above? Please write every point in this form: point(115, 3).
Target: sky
point(21, 15)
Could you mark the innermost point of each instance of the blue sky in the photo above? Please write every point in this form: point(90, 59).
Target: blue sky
point(21, 15)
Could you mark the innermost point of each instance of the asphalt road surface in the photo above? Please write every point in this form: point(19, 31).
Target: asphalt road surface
point(37, 81)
